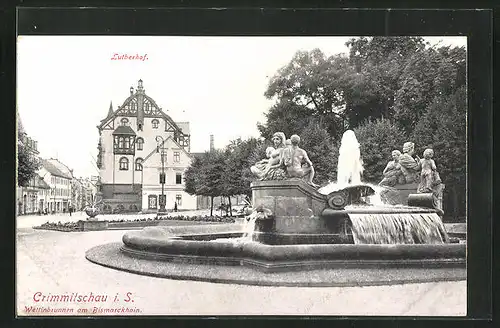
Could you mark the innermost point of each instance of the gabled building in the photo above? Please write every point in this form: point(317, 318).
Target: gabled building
point(132, 139)
point(59, 182)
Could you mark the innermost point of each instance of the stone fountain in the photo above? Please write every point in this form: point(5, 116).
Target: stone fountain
point(297, 226)
point(93, 209)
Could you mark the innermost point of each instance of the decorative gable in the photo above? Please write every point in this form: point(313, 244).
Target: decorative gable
point(140, 105)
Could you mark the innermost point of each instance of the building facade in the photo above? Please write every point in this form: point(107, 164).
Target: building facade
point(59, 183)
point(137, 143)
point(30, 197)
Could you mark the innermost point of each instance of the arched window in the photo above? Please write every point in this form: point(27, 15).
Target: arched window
point(140, 143)
point(124, 121)
point(138, 164)
point(123, 164)
point(155, 123)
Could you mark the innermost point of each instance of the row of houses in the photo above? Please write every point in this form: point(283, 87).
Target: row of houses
point(54, 188)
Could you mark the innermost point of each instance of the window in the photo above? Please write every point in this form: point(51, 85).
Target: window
point(178, 199)
point(126, 143)
point(177, 156)
point(138, 164)
point(178, 178)
point(124, 121)
point(120, 142)
point(140, 143)
point(155, 123)
point(123, 164)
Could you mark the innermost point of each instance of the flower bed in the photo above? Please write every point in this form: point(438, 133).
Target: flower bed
point(66, 227)
point(142, 222)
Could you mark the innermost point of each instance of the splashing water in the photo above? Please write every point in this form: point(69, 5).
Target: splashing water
point(249, 227)
point(350, 166)
point(398, 228)
point(248, 231)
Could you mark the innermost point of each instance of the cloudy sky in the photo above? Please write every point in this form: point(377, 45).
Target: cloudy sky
point(66, 83)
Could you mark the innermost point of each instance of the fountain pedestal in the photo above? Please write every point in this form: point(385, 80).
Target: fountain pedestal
point(93, 225)
point(296, 209)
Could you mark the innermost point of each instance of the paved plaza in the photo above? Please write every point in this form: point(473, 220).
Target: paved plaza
point(51, 263)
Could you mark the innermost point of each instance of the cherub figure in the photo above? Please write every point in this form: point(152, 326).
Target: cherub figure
point(287, 152)
point(429, 172)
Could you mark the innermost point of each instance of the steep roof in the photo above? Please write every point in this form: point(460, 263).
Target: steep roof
point(40, 183)
point(124, 129)
point(61, 166)
point(52, 169)
point(169, 138)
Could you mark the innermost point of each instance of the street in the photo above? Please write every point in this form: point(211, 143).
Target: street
point(29, 221)
point(53, 263)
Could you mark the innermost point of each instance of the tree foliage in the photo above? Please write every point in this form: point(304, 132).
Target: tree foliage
point(27, 165)
point(204, 176)
point(377, 139)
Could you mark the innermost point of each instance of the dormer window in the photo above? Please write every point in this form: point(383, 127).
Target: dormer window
point(155, 123)
point(124, 121)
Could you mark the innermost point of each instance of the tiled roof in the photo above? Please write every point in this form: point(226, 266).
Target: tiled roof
point(40, 183)
point(54, 170)
point(124, 129)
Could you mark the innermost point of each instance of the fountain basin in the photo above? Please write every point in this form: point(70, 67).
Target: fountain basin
point(194, 245)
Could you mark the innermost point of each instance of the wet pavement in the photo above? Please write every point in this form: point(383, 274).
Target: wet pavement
point(54, 278)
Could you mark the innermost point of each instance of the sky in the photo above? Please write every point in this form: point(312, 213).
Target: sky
point(65, 85)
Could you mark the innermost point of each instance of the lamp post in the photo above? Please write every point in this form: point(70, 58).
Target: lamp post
point(162, 200)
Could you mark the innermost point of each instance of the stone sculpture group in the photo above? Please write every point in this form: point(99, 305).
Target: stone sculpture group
point(286, 160)
point(406, 169)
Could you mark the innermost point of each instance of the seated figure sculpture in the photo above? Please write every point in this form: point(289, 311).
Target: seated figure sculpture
point(295, 169)
point(393, 174)
point(409, 165)
point(274, 170)
point(260, 167)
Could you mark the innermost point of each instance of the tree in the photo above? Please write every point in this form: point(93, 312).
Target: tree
point(285, 116)
point(442, 127)
point(313, 81)
point(377, 139)
point(434, 72)
point(204, 176)
point(27, 165)
point(378, 64)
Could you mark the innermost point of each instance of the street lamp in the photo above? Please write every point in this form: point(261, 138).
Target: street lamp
point(162, 201)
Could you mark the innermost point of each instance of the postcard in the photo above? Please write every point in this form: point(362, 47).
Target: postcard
point(241, 175)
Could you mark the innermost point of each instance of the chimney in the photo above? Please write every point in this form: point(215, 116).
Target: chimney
point(212, 147)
